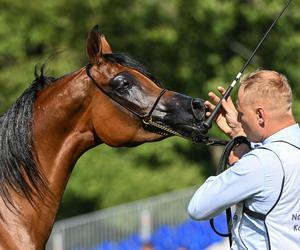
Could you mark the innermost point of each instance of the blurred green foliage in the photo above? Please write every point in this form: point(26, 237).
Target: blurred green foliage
point(192, 46)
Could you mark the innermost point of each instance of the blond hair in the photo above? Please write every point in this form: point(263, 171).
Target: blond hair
point(270, 87)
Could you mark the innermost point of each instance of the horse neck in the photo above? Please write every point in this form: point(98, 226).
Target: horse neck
point(62, 127)
point(62, 132)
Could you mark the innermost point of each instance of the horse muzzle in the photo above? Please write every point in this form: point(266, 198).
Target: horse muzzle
point(181, 114)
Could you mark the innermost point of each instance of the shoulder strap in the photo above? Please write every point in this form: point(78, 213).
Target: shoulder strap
point(261, 216)
point(253, 214)
point(288, 143)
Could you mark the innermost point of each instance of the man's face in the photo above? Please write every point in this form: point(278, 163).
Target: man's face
point(247, 116)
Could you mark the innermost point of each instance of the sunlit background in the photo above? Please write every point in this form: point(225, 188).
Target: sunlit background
point(191, 46)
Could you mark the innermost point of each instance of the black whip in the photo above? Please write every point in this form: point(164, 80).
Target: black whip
point(208, 123)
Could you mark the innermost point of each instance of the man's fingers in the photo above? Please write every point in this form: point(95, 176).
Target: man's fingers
point(209, 105)
point(225, 105)
point(228, 107)
point(222, 90)
point(214, 97)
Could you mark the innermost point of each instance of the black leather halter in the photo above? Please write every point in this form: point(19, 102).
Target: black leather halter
point(147, 118)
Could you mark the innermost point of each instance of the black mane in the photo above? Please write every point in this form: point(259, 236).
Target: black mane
point(18, 170)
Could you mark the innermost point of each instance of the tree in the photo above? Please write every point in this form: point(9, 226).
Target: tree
point(192, 46)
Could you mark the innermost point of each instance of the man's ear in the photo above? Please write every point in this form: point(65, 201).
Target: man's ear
point(94, 46)
point(260, 116)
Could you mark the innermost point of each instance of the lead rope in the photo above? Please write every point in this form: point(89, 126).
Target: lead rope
point(222, 166)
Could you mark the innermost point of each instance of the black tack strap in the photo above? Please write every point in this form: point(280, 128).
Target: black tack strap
point(254, 214)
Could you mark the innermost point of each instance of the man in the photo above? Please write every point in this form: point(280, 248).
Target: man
point(264, 183)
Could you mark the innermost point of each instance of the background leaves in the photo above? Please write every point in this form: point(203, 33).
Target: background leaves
point(192, 46)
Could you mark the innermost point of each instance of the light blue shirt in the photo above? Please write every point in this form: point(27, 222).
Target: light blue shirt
point(256, 180)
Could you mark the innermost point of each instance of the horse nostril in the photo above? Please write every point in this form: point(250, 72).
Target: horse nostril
point(198, 109)
point(197, 103)
point(206, 109)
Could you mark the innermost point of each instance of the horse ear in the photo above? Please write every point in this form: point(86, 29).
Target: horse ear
point(105, 46)
point(94, 48)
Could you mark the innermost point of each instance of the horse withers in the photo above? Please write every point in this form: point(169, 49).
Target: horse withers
point(112, 100)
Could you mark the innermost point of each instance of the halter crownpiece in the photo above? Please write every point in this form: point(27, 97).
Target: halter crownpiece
point(208, 123)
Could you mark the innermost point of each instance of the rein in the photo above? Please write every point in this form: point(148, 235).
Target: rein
point(222, 166)
point(146, 119)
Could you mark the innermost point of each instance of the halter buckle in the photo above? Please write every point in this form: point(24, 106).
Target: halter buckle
point(147, 120)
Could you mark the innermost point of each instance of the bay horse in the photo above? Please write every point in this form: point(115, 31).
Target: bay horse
point(112, 100)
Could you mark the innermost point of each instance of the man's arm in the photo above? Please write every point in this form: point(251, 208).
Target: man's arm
point(235, 184)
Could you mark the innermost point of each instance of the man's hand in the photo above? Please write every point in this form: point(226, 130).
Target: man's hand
point(227, 119)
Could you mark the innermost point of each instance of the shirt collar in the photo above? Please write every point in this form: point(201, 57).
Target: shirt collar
point(289, 134)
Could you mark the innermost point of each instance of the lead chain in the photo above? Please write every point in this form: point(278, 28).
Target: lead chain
point(148, 121)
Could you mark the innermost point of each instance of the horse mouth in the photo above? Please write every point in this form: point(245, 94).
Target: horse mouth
point(193, 132)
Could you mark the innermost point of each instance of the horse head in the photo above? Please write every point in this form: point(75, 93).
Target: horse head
point(112, 100)
point(135, 108)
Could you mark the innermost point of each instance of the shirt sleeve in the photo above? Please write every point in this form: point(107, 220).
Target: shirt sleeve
point(243, 179)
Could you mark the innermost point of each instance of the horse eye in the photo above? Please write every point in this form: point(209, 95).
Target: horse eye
point(121, 82)
point(125, 83)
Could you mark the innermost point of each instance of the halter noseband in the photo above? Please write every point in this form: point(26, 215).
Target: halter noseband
point(146, 119)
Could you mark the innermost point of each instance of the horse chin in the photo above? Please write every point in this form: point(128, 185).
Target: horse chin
point(158, 131)
point(142, 136)
point(194, 133)
point(154, 135)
